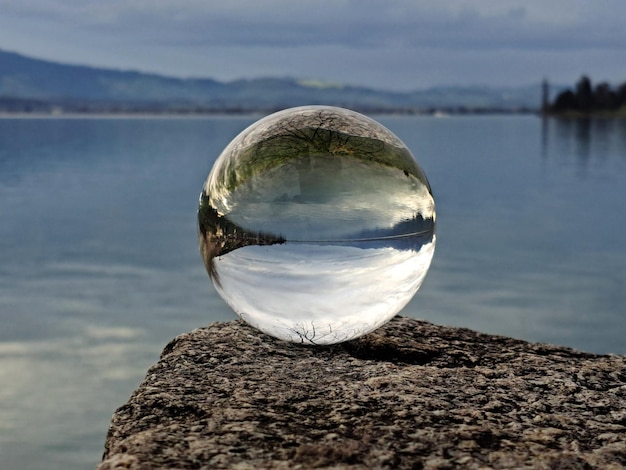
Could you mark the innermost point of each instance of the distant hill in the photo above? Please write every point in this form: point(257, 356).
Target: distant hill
point(28, 84)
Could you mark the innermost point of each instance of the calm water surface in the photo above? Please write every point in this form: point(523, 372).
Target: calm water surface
point(100, 266)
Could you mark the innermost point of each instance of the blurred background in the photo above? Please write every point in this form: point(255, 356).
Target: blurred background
point(112, 113)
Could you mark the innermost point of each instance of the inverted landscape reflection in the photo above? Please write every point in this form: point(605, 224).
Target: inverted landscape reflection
point(316, 225)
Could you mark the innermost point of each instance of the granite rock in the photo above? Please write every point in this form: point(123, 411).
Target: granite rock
point(410, 395)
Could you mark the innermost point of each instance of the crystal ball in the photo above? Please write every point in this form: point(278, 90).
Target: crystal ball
point(316, 225)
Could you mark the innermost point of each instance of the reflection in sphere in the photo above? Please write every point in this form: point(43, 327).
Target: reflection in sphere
point(316, 225)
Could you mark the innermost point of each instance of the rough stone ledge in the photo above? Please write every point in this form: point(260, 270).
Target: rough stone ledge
point(410, 395)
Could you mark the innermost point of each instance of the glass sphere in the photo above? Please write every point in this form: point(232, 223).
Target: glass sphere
point(316, 225)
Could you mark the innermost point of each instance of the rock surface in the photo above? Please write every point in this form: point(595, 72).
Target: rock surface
point(410, 395)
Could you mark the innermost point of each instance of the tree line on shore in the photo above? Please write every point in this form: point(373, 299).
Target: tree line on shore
point(586, 98)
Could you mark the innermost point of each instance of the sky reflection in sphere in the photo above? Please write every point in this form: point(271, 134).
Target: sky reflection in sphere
point(316, 225)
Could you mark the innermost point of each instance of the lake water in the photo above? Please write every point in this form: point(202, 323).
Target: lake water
point(99, 263)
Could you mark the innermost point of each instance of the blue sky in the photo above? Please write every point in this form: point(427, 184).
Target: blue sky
point(386, 44)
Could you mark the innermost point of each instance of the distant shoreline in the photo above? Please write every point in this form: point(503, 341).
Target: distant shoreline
point(573, 115)
point(586, 101)
point(619, 114)
point(71, 114)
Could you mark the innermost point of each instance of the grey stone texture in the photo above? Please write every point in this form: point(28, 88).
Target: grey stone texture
point(411, 395)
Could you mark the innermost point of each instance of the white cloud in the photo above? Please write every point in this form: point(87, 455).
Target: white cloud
point(333, 293)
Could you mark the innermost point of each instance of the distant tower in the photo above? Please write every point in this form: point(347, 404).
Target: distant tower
point(545, 96)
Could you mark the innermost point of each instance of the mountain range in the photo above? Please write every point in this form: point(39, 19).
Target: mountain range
point(28, 84)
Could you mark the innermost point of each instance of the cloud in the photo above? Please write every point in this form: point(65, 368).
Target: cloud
point(365, 41)
point(359, 24)
point(332, 292)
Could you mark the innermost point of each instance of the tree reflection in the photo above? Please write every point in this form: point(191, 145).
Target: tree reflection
point(219, 236)
point(588, 139)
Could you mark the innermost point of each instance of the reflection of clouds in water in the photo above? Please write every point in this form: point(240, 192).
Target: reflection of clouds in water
point(76, 371)
point(586, 142)
point(76, 339)
point(329, 205)
point(341, 292)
